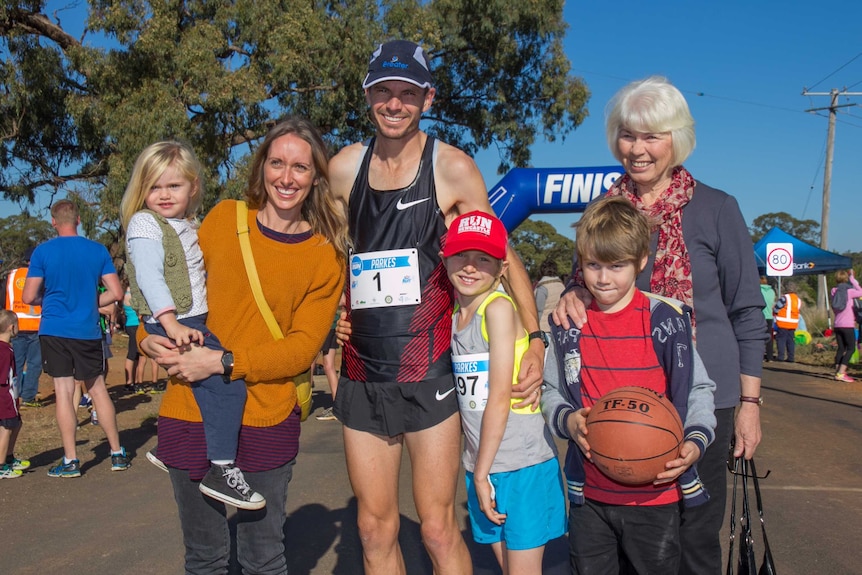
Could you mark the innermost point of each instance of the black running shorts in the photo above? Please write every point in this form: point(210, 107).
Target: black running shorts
point(79, 358)
point(390, 409)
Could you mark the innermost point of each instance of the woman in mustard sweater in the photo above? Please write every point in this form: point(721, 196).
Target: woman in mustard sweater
point(298, 238)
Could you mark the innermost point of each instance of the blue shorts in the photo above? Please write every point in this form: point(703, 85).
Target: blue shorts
point(533, 499)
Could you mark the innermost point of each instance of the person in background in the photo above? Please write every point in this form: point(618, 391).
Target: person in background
point(28, 352)
point(330, 347)
point(298, 236)
point(10, 415)
point(134, 362)
point(769, 297)
point(63, 277)
point(700, 254)
point(845, 323)
point(786, 314)
point(547, 292)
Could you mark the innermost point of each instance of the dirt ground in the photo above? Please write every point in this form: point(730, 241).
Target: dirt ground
point(39, 434)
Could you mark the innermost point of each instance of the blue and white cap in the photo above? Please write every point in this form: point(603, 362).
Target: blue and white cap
point(399, 60)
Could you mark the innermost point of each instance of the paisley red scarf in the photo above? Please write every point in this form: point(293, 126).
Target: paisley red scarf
point(671, 273)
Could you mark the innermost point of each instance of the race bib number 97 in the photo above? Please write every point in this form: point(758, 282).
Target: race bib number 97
point(385, 278)
point(471, 380)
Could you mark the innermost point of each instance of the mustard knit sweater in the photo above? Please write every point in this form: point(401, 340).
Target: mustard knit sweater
point(302, 284)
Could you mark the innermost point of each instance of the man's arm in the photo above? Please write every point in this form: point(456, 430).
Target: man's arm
point(113, 290)
point(342, 170)
point(32, 292)
point(461, 189)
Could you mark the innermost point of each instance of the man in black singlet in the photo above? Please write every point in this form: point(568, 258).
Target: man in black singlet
point(403, 188)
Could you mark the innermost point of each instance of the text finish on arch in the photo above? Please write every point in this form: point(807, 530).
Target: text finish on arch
point(525, 191)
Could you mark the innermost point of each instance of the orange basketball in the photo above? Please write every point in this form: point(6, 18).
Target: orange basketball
point(633, 432)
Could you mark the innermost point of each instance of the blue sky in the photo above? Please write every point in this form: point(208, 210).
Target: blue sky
point(750, 61)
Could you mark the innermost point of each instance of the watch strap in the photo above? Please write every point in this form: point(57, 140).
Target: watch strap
point(539, 335)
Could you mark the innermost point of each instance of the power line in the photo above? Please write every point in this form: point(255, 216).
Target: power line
point(695, 93)
point(834, 72)
point(827, 172)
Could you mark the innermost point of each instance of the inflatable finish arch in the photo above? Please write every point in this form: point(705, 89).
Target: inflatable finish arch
point(525, 191)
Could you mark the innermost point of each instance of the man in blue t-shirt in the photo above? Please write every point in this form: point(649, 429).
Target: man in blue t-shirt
point(63, 278)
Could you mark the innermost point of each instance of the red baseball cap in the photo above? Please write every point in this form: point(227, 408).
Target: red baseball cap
point(476, 231)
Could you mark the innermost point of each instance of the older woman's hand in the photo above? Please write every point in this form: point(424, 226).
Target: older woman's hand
point(573, 305)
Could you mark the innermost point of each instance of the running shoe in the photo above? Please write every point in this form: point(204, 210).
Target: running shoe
point(18, 464)
point(6, 472)
point(120, 461)
point(31, 403)
point(326, 415)
point(151, 457)
point(844, 377)
point(158, 387)
point(86, 401)
point(227, 484)
point(71, 469)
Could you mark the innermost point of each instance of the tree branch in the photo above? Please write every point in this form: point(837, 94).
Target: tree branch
point(37, 23)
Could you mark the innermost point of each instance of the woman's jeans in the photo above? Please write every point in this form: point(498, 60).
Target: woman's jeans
point(259, 534)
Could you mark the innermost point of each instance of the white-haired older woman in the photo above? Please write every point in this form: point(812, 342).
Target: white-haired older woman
point(701, 254)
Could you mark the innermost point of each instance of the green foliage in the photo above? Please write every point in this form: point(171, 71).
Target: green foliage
point(805, 230)
point(20, 233)
point(74, 113)
point(536, 240)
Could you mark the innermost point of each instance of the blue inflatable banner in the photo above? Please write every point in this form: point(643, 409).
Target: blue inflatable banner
point(525, 191)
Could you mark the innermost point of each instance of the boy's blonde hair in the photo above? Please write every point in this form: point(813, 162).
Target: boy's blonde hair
point(7, 318)
point(149, 167)
point(612, 230)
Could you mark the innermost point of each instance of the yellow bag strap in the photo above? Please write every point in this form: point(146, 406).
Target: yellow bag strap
point(242, 233)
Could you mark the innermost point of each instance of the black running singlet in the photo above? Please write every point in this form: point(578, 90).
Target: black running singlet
point(399, 341)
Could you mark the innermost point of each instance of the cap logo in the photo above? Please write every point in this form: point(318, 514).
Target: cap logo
point(394, 63)
point(475, 224)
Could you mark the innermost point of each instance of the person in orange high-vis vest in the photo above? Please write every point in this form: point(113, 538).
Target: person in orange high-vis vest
point(786, 316)
point(28, 353)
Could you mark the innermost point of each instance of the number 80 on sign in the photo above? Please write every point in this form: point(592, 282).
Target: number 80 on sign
point(779, 259)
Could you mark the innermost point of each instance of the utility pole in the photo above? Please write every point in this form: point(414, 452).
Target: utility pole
point(827, 177)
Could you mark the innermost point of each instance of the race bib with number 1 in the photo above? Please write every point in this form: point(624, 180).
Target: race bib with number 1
point(385, 278)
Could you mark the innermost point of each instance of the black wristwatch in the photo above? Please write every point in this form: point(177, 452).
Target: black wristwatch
point(227, 364)
point(540, 335)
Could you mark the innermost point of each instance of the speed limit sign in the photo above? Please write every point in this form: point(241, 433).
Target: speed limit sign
point(779, 259)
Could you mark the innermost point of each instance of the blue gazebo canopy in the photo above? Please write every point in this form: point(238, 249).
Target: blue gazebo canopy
point(807, 259)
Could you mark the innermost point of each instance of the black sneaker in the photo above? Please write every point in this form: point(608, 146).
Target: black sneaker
point(227, 484)
point(120, 461)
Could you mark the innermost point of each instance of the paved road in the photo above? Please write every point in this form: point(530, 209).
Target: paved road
point(107, 523)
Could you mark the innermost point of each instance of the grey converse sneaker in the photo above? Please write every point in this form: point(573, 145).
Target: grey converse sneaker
point(151, 457)
point(227, 484)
